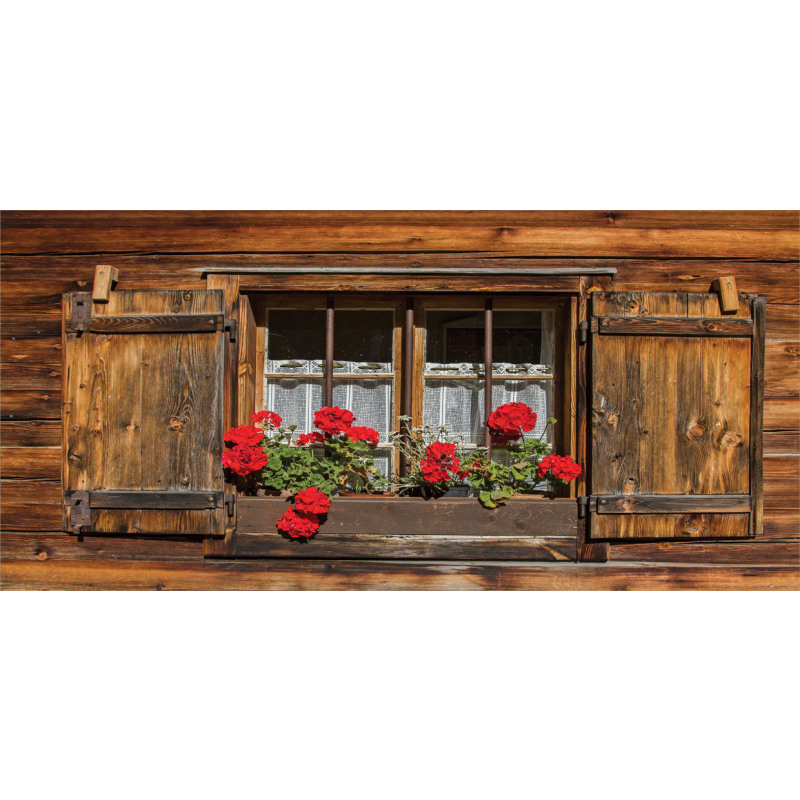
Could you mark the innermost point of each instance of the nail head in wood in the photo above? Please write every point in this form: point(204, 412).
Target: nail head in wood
point(725, 287)
point(104, 276)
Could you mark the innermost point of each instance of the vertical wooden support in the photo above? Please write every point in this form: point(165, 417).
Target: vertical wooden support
point(587, 550)
point(759, 311)
point(229, 284)
point(725, 287)
point(329, 352)
point(487, 378)
point(104, 276)
point(408, 371)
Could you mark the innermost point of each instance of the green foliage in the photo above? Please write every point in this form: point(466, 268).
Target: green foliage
point(336, 464)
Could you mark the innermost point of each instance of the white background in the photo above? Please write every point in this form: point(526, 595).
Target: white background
point(434, 105)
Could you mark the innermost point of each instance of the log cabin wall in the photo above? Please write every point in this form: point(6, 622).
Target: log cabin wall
point(48, 253)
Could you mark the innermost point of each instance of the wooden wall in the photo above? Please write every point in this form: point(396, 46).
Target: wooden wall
point(48, 253)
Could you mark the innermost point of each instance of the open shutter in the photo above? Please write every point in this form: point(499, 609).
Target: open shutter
point(143, 413)
point(676, 416)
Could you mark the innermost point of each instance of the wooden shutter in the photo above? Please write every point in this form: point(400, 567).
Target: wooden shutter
point(143, 413)
point(677, 387)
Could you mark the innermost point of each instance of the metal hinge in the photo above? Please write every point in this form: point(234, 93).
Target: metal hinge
point(81, 313)
point(583, 332)
point(583, 507)
point(80, 515)
point(230, 325)
point(230, 499)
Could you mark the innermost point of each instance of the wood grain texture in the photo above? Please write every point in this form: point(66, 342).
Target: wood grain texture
point(30, 433)
point(670, 417)
point(292, 575)
point(739, 220)
point(30, 462)
point(144, 412)
point(407, 516)
point(30, 404)
point(607, 241)
point(411, 546)
point(782, 369)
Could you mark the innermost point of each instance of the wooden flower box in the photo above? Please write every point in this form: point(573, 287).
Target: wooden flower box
point(524, 529)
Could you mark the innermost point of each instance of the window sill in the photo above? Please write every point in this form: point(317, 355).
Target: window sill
point(527, 528)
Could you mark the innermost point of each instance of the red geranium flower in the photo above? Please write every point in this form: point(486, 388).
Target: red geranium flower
point(244, 459)
point(269, 418)
point(312, 501)
point(440, 463)
point(310, 438)
point(333, 420)
point(298, 524)
point(561, 468)
point(245, 435)
point(509, 421)
point(361, 434)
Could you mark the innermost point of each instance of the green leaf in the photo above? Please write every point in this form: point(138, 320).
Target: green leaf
point(486, 500)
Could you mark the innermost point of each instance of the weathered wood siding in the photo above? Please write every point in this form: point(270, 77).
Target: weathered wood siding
point(46, 254)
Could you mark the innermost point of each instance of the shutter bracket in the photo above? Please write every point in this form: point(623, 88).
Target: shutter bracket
point(80, 515)
point(583, 332)
point(583, 505)
point(230, 325)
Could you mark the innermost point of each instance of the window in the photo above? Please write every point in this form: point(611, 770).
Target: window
point(421, 357)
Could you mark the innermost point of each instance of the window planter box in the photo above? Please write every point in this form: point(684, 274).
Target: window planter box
point(527, 528)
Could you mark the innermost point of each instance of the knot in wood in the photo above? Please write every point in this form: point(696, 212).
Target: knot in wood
point(176, 424)
point(732, 439)
point(696, 430)
point(613, 419)
point(690, 523)
point(187, 296)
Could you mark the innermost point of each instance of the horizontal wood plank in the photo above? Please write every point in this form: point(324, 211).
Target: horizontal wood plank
point(33, 433)
point(781, 443)
point(750, 552)
point(30, 404)
point(781, 414)
point(608, 241)
point(30, 376)
point(782, 369)
point(293, 575)
point(407, 516)
point(662, 326)
point(30, 462)
point(38, 352)
point(431, 547)
point(172, 323)
point(737, 220)
point(659, 504)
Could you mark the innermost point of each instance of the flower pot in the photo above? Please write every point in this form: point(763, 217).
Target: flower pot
point(457, 491)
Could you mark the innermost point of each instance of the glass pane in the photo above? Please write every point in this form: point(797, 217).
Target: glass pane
point(520, 337)
point(295, 335)
point(454, 336)
point(364, 336)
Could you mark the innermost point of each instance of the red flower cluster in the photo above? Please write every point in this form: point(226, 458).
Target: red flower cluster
point(312, 501)
point(561, 468)
point(244, 435)
point(440, 463)
point(266, 418)
point(509, 421)
point(310, 438)
point(362, 434)
point(244, 459)
point(333, 420)
point(298, 524)
point(302, 521)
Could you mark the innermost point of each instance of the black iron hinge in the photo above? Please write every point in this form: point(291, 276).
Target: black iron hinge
point(81, 313)
point(230, 325)
point(583, 332)
point(583, 507)
point(80, 515)
point(230, 499)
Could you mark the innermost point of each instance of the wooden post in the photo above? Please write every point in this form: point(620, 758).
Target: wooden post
point(329, 353)
point(104, 276)
point(728, 296)
point(487, 377)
